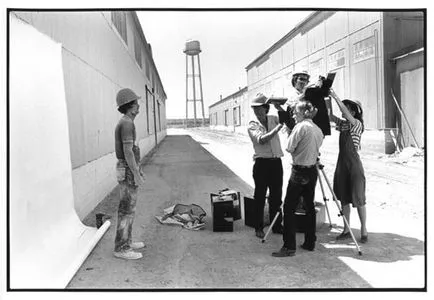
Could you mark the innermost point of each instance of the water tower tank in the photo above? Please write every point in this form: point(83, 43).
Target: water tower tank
point(192, 48)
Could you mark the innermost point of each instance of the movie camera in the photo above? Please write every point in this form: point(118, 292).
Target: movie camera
point(316, 95)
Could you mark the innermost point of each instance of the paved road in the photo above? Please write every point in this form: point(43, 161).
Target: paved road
point(188, 165)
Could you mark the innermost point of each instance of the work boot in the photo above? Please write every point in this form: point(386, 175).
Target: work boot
point(128, 254)
point(260, 233)
point(308, 246)
point(283, 252)
point(137, 245)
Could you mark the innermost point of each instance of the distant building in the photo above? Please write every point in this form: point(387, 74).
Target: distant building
point(231, 113)
point(181, 123)
point(102, 53)
point(371, 53)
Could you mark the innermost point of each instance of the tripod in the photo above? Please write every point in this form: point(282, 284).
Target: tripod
point(320, 169)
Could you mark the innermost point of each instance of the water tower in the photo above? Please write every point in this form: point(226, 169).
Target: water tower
point(192, 49)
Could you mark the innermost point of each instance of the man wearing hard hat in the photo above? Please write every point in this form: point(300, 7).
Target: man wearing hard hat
point(299, 81)
point(128, 174)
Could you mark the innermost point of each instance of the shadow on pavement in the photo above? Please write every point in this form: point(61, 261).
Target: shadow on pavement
point(381, 247)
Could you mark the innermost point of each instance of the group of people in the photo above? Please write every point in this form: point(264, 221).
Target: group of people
point(303, 143)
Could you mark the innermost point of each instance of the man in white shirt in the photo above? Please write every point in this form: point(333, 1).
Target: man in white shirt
point(303, 144)
point(267, 169)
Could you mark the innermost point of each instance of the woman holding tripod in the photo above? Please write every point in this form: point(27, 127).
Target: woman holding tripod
point(349, 181)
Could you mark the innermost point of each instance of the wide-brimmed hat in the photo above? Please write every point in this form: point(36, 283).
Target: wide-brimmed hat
point(357, 103)
point(259, 100)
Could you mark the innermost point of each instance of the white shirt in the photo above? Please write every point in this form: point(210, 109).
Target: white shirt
point(304, 142)
point(272, 148)
point(293, 97)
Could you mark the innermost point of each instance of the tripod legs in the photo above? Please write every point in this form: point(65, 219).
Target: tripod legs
point(272, 224)
point(325, 199)
point(320, 167)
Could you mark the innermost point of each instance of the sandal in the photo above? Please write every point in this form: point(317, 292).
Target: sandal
point(344, 236)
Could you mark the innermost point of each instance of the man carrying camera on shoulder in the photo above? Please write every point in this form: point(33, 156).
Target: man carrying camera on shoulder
point(299, 82)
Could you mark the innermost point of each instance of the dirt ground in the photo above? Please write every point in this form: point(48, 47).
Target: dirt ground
point(189, 165)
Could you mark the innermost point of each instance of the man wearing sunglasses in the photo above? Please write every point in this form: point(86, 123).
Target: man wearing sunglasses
point(299, 82)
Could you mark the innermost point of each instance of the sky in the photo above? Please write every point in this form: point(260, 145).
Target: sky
point(229, 40)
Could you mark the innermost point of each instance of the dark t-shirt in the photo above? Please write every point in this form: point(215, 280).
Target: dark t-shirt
point(125, 132)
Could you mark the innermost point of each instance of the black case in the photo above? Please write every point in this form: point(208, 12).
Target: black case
point(300, 222)
point(224, 213)
point(222, 216)
point(249, 212)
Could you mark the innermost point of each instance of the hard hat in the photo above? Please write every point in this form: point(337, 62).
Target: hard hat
point(259, 100)
point(125, 96)
point(301, 72)
point(298, 73)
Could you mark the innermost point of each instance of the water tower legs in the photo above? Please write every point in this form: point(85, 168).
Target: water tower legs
point(195, 98)
point(201, 94)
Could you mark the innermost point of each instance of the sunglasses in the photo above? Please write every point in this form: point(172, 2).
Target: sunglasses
point(303, 79)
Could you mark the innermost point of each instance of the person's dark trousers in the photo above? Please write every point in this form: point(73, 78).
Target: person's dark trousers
point(301, 183)
point(268, 173)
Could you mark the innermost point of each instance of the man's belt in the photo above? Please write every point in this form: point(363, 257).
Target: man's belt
point(300, 167)
point(268, 158)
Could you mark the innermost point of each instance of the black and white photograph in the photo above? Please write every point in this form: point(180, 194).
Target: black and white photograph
point(214, 147)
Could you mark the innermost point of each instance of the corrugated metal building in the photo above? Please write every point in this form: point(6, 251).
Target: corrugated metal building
point(102, 51)
point(361, 48)
point(231, 113)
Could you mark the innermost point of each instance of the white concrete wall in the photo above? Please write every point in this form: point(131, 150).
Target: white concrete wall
point(94, 180)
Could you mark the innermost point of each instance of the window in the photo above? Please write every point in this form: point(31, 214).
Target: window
point(364, 49)
point(226, 117)
point(147, 68)
point(159, 117)
point(138, 50)
point(336, 60)
point(119, 19)
point(316, 68)
point(147, 110)
point(237, 116)
point(216, 121)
